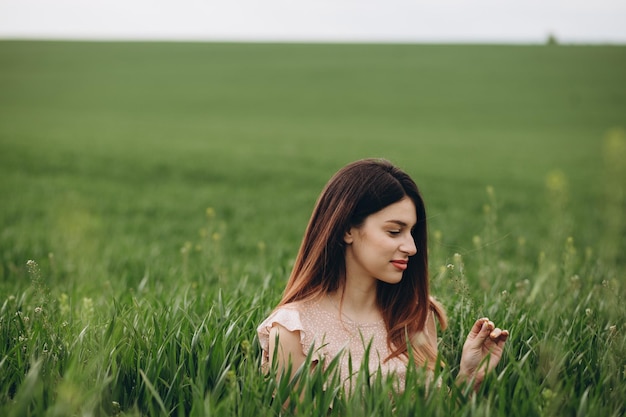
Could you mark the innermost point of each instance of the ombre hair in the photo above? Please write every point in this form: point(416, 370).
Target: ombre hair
point(356, 191)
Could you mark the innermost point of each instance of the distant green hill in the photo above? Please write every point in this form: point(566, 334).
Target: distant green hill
point(156, 131)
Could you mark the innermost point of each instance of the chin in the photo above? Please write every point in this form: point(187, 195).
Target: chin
point(391, 280)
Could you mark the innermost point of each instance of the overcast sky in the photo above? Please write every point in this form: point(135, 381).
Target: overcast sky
point(580, 21)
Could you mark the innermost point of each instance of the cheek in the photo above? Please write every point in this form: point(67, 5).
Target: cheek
point(382, 244)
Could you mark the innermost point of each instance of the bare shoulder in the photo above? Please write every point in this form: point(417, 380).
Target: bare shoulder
point(284, 335)
point(285, 346)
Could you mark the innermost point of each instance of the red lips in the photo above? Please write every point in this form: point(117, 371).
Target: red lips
point(400, 264)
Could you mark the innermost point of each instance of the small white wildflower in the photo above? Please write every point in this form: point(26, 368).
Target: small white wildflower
point(450, 267)
point(505, 293)
point(38, 310)
point(588, 312)
point(33, 270)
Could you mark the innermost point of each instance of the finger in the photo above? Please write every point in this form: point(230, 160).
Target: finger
point(487, 324)
point(495, 334)
point(476, 327)
point(479, 325)
point(481, 330)
point(503, 337)
point(498, 341)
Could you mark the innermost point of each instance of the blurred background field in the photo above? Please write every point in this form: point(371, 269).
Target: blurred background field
point(139, 173)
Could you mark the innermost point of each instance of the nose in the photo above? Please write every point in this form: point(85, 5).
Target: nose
point(408, 246)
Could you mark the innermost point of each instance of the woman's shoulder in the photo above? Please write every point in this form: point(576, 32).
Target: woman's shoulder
point(291, 316)
point(294, 317)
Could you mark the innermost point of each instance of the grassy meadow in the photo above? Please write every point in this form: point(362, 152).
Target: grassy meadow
point(154, 196)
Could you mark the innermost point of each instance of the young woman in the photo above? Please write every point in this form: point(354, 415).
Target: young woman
point(361, 279)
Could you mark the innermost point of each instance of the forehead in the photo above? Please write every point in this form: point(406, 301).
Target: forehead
point(400, 211)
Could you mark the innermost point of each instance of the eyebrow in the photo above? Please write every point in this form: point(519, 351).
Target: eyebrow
point(398, 222)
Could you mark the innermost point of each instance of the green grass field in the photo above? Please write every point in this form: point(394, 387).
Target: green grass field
point(161, 190)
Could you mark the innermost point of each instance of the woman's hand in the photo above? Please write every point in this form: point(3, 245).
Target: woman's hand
point(482, 351)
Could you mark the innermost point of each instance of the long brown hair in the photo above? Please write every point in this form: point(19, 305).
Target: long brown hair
point(356, 191)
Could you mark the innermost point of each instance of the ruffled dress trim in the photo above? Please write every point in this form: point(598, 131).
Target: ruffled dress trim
point(289, 317)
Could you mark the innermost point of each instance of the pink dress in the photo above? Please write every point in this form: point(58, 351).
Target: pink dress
point(330, 335)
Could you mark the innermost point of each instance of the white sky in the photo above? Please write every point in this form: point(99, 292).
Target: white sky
point(580, 21)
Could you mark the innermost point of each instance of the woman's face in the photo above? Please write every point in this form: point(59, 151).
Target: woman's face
point(380, 248)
